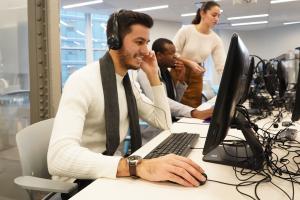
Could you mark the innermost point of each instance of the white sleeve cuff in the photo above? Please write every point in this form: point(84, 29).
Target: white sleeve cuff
point(109, 165)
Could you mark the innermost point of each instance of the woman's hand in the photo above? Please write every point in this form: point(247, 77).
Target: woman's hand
point(196, 68)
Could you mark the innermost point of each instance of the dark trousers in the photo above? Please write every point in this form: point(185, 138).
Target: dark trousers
point(82, 183)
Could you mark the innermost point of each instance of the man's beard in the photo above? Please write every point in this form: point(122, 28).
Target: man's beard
point(124, 57)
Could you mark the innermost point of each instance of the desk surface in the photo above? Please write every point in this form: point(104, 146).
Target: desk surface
point(138, 189)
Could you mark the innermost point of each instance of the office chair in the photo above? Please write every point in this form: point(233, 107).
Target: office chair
point(32, 143)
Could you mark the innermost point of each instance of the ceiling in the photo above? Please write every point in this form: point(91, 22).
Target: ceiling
point(278, 13)
point(13, 11)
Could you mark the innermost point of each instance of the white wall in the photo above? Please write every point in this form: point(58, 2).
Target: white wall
point(267, 43)
point(163, 29)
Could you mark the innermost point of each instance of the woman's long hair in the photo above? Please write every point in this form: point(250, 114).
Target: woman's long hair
point(205, 7)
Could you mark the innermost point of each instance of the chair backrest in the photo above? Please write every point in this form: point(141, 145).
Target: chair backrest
point(32, 143)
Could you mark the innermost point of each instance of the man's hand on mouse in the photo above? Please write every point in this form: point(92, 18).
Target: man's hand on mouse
point(172, 168)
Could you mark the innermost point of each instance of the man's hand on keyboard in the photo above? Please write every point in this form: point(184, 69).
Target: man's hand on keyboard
point(172, 168)
point(203, 114)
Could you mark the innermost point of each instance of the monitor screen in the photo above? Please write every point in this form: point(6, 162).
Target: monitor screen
point(234, 87)
point(296, 109)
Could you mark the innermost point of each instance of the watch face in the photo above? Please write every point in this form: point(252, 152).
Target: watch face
point(134, 157)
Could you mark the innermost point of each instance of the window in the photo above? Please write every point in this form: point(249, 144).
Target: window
point(83, 40)
point(99, 35)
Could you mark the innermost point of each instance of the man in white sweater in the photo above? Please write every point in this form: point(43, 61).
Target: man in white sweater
point(79, 138)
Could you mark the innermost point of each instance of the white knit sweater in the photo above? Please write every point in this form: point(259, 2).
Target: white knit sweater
point(78, 136)
point(197, 46)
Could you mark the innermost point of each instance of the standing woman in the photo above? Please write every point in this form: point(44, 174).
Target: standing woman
point(196, 42)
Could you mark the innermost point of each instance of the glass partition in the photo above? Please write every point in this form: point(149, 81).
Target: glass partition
point(14, 91)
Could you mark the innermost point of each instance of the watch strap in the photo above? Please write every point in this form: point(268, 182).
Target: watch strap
point(132, 170)
point(133, 161)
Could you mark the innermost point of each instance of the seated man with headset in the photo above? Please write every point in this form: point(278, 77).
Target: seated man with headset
point(166, 58)
point(99, 105)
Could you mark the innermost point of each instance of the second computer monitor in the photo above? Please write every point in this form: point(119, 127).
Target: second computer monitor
point(235, 83)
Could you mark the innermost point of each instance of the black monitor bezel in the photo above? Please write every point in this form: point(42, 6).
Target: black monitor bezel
point(227, 94)
point(234, 87)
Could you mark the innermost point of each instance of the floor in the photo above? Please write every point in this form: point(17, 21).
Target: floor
point(9, 169)
point(13, 117)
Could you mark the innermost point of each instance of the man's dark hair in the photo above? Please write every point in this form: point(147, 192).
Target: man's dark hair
point(205, 7)
point(159, 45)
point(125, 19)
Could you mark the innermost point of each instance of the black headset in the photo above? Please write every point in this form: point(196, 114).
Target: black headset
point(113, 41)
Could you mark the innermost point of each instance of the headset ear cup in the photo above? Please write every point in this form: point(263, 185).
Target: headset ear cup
point(113, 42)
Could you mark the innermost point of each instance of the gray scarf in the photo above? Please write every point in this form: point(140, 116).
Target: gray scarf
point(112, 113)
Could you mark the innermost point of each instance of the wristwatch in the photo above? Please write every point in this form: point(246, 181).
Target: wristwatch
point(133, 161)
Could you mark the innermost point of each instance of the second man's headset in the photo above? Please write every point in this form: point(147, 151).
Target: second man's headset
point(113, 41)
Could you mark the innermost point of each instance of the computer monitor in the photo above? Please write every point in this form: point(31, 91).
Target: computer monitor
point(296, 109)
point(234, 84)
point(275, 78)
point(282, 80)
point(270, 76)
point(248, 80)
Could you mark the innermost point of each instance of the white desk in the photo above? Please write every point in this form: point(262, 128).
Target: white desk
point(138, 189)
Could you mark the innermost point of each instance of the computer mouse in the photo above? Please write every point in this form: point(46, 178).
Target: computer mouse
point(200, 182)
point(203, 182)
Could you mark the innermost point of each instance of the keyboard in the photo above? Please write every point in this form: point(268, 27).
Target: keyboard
point(177, 143)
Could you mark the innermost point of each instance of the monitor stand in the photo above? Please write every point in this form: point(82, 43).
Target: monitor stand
point(247, 154)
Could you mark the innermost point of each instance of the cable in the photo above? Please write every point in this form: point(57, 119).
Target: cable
point(139, 90)
point(274, 165)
